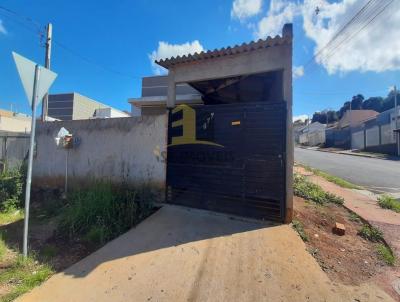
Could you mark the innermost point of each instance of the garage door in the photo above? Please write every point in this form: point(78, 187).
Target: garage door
point(228, 158)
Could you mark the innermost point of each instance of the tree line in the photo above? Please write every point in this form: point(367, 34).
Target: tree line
point(358, 102)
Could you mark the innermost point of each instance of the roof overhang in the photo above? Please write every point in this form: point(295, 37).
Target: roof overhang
point(226, 52)
point(162, 100)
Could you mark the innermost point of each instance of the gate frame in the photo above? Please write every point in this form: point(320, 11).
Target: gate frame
point(262, 56)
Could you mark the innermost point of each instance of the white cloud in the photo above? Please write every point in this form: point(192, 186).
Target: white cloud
point(243, 9)
point(2, 28)
point(298, 71)
point(376, 48)
point(279, 13)
point(166, 50)
point(301, 117)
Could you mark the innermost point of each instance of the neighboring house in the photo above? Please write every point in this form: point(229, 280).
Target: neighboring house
point(14, 122)
point(355, 117)
point(154, 96)
point(74, 106)
point(377, 134)
point(313, 134)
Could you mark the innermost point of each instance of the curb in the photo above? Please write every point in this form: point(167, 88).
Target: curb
point(389, 157)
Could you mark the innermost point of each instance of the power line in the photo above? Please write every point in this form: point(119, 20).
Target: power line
point(40, 30)
point(369, 14)
point(339, 32)
point(361, 29)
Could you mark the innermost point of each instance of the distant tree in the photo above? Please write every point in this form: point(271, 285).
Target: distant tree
point(343, 109)
point(357, 101)
point(373, 103)
point(388, 102)
point(332, 116)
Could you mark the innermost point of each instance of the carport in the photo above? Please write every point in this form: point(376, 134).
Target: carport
point(234, 152)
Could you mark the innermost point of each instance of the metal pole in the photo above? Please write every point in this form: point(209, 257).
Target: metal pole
point(396, 112)
point(30, 160)
point(45, 104)
point(66, 173)
point(351, 129)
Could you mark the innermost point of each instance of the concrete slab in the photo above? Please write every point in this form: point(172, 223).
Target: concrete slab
point(181, 254)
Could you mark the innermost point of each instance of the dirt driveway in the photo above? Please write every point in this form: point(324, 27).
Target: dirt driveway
point(180, 254)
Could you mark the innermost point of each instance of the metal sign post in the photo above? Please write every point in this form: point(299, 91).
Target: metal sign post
point(36, 81)
point(30, 160)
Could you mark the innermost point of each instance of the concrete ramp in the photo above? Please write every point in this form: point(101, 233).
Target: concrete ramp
point(181, 254)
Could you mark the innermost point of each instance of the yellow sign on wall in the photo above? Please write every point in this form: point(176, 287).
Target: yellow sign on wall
point(188, 123)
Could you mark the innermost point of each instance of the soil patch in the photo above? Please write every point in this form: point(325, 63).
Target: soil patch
point(348, 259)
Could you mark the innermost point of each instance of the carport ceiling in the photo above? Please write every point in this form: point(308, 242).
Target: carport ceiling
point(263, 87)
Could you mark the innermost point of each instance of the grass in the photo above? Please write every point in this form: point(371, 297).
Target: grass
point(386, 254)
point(103, 212)
point(310, 191)
point(336, 180)
point(11, 216)
point(371, 233)
point(298, 226)
point(354, 217)
point(24, 274)
point(388, 202)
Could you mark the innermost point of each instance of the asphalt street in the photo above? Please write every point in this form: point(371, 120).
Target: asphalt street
point(377, 175)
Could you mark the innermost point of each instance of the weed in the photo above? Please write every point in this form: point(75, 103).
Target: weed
point(3, 248)
point(298, 226)
point(25, 274)
point(336, 180)
point(102, 212)
point(388, 202)
point(386, 254)
point(11, 189)
point(354, 217)
point(11, 216)
point(310, 191)
point(371, 233)
point(48, 252)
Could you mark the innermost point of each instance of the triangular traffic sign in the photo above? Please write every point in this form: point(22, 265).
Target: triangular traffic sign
point(26, 70)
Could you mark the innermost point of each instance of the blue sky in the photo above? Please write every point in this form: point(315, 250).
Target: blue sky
point(111, 44)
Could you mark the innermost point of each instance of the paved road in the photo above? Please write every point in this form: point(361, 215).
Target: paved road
point(179, 254)
point(377, 175)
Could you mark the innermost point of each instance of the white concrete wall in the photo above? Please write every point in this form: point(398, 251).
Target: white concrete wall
point(372, 136)
point(15, 124)
point(387, 135)
point(116, 149)
point(358, 140)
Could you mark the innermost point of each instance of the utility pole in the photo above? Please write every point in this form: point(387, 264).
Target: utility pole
point(396, 112)
point(47, 65)
point(351, 129)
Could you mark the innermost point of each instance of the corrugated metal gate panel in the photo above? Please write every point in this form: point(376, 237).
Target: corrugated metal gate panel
point(244, 174)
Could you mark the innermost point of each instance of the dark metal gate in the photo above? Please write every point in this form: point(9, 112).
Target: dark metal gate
point(228, 158)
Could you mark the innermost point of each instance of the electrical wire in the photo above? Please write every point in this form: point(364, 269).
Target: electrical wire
point(40, 30)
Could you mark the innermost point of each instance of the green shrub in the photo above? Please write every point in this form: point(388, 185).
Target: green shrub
point(386, 254)
point(389, 202)
point(298, 226)
point(103, 211)
point(371, 233)
point(11, 189)
point(48, 252)
point(310, 191)
point(354, 217)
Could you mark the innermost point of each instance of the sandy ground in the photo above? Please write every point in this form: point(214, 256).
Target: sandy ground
point(181, 254)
